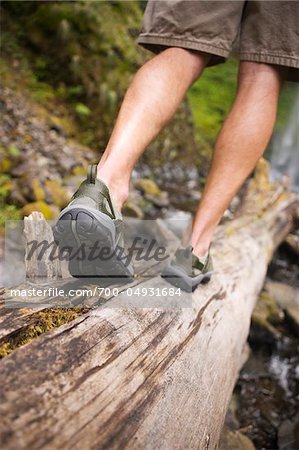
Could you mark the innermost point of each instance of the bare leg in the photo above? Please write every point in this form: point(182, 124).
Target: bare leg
point(152, 99)
point(241, 142)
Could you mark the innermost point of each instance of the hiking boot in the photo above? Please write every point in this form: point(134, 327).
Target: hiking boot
point(90, 229)
point(187, 271)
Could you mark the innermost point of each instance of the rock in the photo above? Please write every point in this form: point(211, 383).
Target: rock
point(5, 164)
point(132, 210)
point(152, 192)
point(6, 185)
point(245, 354)
point(234, 440)
point(9, 156)
point(284, 294)
point(231, 418)
point(55, 211)
point(39, 206)
point(79, 171)
point(61, 125)
point(71, 183)
point(148, 187)
point(16, 197)
point(148, 208)
point(292, 315)
point(58, 195)
point(32, 148)
point(288, 299)
point(161, 200)
point(292, 241)
point(266, 314)
point(38, 192)
point(288, 434)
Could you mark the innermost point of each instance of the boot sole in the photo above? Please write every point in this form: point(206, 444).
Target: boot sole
point(77, 228)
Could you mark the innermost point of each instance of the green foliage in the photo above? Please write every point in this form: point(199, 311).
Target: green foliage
point(285, 104)
point(210, 100)
point(82, 52)
point(75, 91)
point(8, 212)
point(14, 151)
point(82, 110)
point(5, 186)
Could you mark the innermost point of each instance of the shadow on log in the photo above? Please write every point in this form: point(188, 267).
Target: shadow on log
point(151, 378)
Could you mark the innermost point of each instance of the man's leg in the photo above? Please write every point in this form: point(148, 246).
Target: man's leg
point(152, 99)
point(241, 142)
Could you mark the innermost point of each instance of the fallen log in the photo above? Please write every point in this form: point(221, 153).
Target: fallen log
point(148, 378)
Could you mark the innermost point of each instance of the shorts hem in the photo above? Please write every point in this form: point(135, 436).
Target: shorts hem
point(286, 61)
point(153, 42)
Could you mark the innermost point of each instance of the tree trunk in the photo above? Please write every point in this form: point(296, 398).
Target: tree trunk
point(152, 378)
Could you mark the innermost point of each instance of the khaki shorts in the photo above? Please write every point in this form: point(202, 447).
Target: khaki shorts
point(268, 30)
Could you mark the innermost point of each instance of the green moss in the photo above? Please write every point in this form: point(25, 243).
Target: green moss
point(38, 191)
point(14, 151)
point(90, 73)
point(8, 212)
point(285, 104)
point(96, 59)
point(39, 206)
point(147, 186)
point(267, 314)
point(58, 194)
point(82, 109)
point(210, 100)
point(44, 321)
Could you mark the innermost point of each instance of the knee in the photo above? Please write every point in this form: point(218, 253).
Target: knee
point(191, 60)
point(261, 74)
point(179, 60)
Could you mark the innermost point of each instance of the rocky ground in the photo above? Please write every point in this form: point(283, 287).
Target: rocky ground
point(35, 153)
point(41, 166)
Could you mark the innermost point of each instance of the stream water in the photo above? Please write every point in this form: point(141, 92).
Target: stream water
point(267, 392)
point(284, 151)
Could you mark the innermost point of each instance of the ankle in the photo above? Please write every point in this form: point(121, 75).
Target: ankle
point(201, 250)
point(201, 245)
point(118, 186)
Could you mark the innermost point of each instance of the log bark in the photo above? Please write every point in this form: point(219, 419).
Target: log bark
point(151, 378)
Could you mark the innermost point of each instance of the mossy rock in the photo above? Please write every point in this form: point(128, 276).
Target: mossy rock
point(267, 313)
point(234, 440)
point(38, 191)
point(62, 125)
point(6, 186)
point(161, 201)
point(148, 187)
point(8, 212)
point(131, 210)
point(39, 206)
point(58, 195)
point(5, 165)
point(268, 308)
point(79, 171)
point(9, 157)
